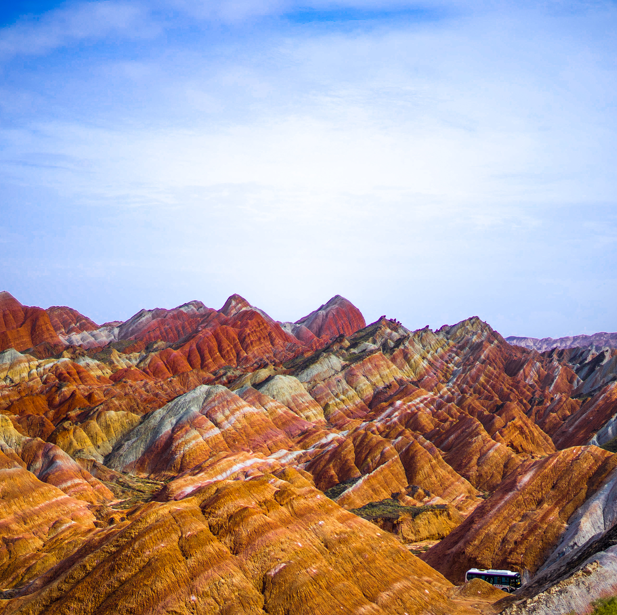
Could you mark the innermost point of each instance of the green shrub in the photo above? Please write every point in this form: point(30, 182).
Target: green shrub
point(391, 509)
point(605, 606)
point(337, 490)
point(611, 446)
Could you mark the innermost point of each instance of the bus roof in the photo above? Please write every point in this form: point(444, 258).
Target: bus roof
point(492, 571)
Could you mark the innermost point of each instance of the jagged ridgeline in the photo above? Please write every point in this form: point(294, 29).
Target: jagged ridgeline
point(210, 461)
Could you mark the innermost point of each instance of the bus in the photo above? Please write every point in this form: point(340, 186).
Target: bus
point(506, 580)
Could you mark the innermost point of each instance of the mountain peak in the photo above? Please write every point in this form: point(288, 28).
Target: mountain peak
point(338, 315)
point(7, 300)
point(235, 304)
point(468, 326)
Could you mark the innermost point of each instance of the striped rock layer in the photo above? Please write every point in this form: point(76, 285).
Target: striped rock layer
point(196, 460)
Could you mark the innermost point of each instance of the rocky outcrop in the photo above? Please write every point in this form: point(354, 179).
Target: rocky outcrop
point(40, 525)
point(582, 566)
point(412, 523)
point(337, 317)
point(596, 578)
point(479, 589)
point(188, 431)
point(517, 527)
point(50, 464)
point(66, 321)
point(290, 392)
point(425, 467)
point(96, 435)
point(164, 325)
point(593, 422)
point(253, 546)
point(470, 450)
point(23, 327)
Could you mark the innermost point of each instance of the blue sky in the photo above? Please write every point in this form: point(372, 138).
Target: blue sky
point(428, 161)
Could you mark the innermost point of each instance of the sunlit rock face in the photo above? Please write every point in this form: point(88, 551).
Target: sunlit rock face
point(40, 525)
point(255, 546)
point(50, 464)
point(217, 461)
point(334, 318)
point(67, 321)
point(520, 523)
point(192, 429)
point(290, 392)
point(583, 565)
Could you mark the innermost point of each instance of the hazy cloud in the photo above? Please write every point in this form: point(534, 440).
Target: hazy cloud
point(429, 169)
point(89, 21)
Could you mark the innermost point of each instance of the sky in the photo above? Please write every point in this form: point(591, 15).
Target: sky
point(428, 161)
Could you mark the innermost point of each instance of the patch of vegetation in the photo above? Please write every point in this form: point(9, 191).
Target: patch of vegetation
point(391, 509)
point(610, 446)
point(360, 337)
point(302, 362)
point(395, 345)
point(337, 490)
point(227, 374)
point(364, 335)
point(605, 606)
point(351, 358)
point(131, 490)
point(104, 354)
point(420, 550)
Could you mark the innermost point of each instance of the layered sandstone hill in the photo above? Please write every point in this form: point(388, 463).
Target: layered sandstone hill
point(253, 546)
point(23, 327)
point(583, 565)
point(517, 526)
point(219, 461)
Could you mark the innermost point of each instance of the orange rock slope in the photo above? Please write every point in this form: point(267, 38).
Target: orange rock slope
point(254, 546)
point(517, 526)
point(206, 461)
point(24, 327)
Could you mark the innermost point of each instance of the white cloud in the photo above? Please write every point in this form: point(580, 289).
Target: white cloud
point(432, 168)
point(104, 19)
point(229, 10)
point(450, 113)
point(235, 11)
point(88, 21)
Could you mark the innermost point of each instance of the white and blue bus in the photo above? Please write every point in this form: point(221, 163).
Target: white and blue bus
point(505, 580)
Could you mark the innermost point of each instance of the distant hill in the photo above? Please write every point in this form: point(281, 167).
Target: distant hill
point(575, 341)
